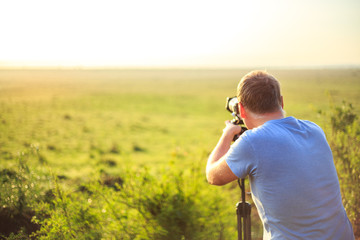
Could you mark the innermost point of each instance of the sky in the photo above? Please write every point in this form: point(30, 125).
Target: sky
point(179, 33)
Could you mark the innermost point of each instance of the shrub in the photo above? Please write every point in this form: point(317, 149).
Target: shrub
point(172, 206)
point(67, 217)
point(344, 139)
point(20, 190)
point(174, 203)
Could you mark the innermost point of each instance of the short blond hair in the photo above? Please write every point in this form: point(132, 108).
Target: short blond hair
point(259, 92)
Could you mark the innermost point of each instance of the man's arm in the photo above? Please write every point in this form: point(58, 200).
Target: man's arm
point(217, 170)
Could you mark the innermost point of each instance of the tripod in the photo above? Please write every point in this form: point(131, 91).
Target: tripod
point(243, 210)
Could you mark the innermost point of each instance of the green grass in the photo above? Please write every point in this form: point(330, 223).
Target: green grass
point(82, 119)
point(87, 121)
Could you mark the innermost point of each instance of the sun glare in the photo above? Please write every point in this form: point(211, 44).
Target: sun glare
point(166, 33)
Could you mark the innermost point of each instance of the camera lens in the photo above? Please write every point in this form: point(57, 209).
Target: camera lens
point(233, 104)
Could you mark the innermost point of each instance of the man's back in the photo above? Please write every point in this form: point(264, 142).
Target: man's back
point(293, 180)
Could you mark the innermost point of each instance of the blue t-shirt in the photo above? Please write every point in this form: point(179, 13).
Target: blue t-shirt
point(293, 180)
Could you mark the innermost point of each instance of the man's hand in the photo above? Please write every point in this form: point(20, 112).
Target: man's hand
point(231, 129)
point(217, 170)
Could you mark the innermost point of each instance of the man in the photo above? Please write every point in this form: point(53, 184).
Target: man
point(293, 179)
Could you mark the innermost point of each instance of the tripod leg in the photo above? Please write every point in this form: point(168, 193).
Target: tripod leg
point(247, 222)
point(239, 224)
point(243, 210)
point(247, 228)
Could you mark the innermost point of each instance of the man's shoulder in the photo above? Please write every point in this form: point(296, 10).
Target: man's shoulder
point(283, 129)
point(312, 126)
point(292, 123)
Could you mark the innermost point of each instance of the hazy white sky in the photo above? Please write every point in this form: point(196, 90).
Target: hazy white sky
point(179, 33)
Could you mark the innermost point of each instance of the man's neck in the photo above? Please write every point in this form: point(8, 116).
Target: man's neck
point(258, 120)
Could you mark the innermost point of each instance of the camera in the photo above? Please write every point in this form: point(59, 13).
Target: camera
point(232, 105)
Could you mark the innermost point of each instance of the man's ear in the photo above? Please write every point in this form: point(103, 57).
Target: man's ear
point(282, 102)
point(242, 111)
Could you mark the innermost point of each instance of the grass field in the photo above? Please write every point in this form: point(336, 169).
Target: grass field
point(149, 115)
point(82, 122)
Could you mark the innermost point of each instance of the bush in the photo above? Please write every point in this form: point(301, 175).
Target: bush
point(344, 139)
point(20, 190)
point(67, 217)
point(176, 205)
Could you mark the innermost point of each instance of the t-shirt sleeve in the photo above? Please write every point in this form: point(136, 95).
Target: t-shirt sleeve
point(241, 158)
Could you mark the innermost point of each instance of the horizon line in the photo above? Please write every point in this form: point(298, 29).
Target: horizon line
point(115, 67)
